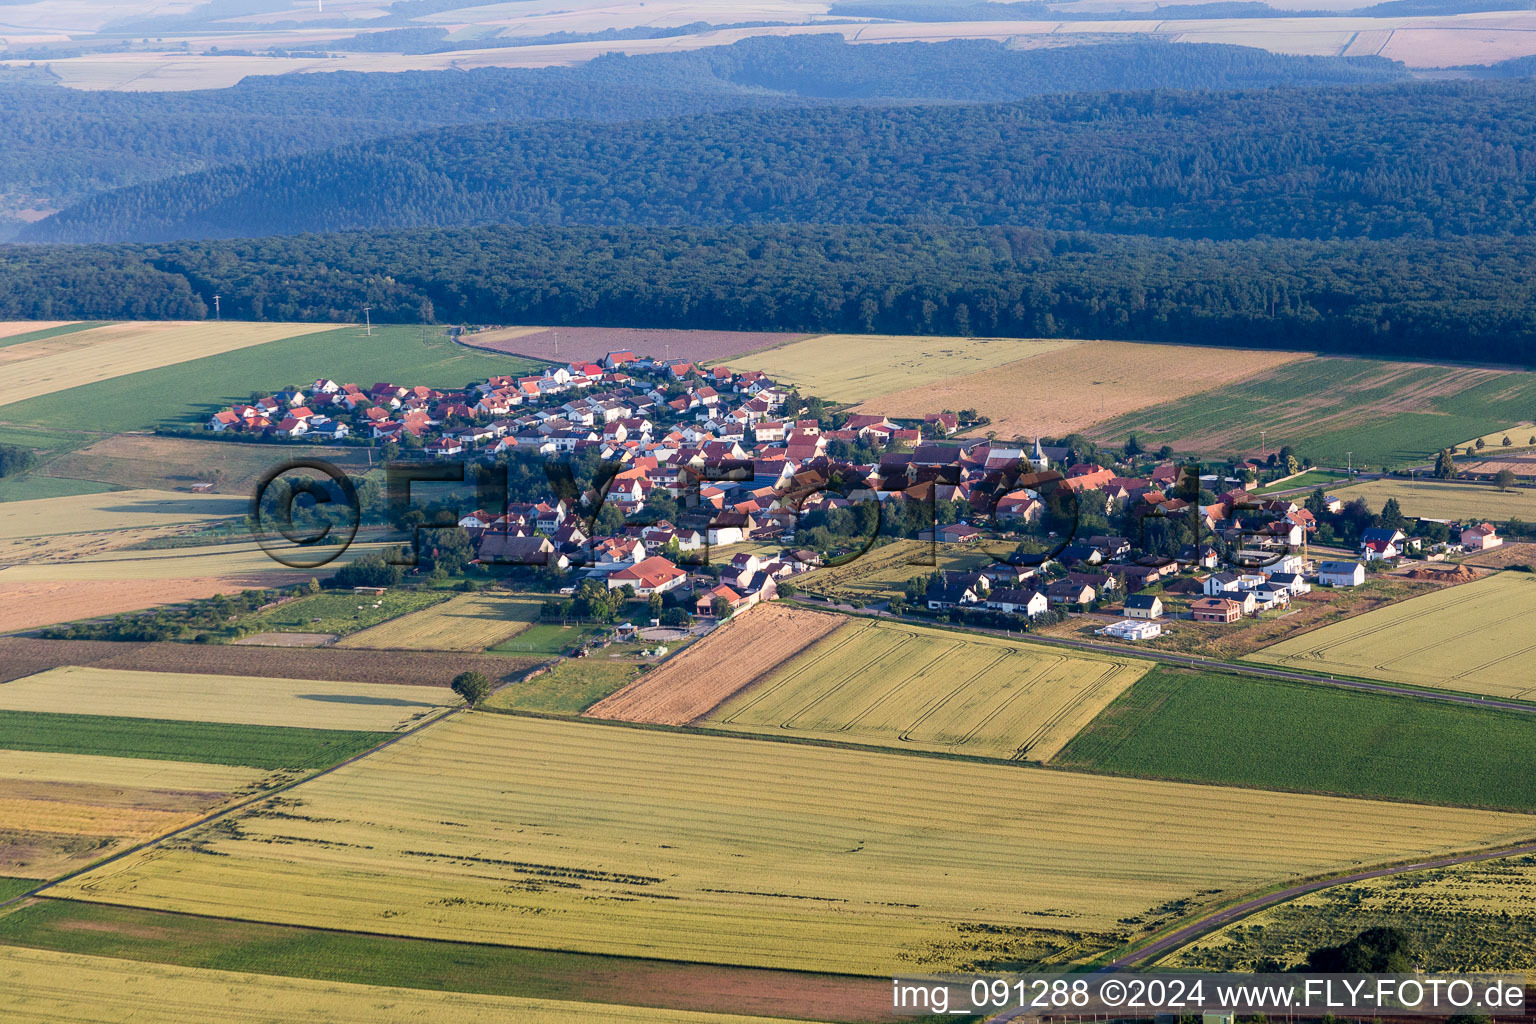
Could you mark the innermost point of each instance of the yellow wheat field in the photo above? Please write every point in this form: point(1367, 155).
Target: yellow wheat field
point(930, 689)
point(40, 986)
point(239, 700)
point(599, 838)
point(858, 367)
point(1474, 637)
point(471, 622)
point(42, 367)
point(58, 811)
point(214, 560)
point(1060, 391)
point(113, 510)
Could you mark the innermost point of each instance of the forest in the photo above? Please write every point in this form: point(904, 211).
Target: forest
point(58, 146)
point(1459, 298)
point(1357, 161)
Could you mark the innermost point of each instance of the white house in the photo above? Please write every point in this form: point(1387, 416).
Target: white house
point(1144, 606)
point(1132, 629)
point(1017, 601)
point(1340, 574)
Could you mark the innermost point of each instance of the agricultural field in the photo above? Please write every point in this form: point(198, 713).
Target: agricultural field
point(1216, 727)
point(859, 367)
point(65, 810)
point(882, 572)
point(742, 852)
point(1386, 413)
point(167, 463)
point(1448, 499)
point(15, 332)
point(1472, 638)
point(914, 688)
point(738, 652)
point(1468, 917)
point(342, 612)
point(64, 361)
point(243, 560)
point(545, 639)
point(24, 656)
point(1068, 388)
point(117, 510)
point(573, 685)
point(187, 697)
point(468, 622)
point(186, 393)
point(1504, 556)
point(1323, 478)
point(46, 987)
point(27, 604)
point(592, 343)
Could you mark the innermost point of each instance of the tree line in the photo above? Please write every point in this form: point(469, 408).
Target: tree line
point(1471, 299)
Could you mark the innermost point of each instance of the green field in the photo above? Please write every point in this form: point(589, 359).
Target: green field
point(255, 746)
point(14, 887)
point(1474, 637)
point(129, 933)
point(546, 638)
point(338, 612)
point(1311, 478)
point(573, 685)
point(1244, 731)
point(26, 488)
point(53, 332)
point(1385, 413)
point(187, 393)
point(1469, 917)
point(914, 688)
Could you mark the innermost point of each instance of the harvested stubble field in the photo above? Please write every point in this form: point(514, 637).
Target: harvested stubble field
point(148, 460)
point(736, 851)
point(1386, 413)
point(13, 330)
point(46, 987)
point(21, 656)
point(66, 361)
point(1474, 638)
point(593, 343)
point(187, 697)
point(1504, 556)
point(1434, 499)
point(64, 810)
point(469, 622)
point(859, 367)
point(882, 572)
point(1072, 387)
point(1468, 917)
point(114, 510)
point(929, 689)
point(691, 684)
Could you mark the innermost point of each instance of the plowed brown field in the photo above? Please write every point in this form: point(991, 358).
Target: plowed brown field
point(693, 683)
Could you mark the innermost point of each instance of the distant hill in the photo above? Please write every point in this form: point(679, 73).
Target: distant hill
point(1419, 160)
point(59, 146)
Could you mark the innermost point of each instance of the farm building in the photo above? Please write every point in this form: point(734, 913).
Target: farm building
point(734, 601)
point(1340, 574)
point(1144, 606)
point(1215, 609)
point(1128, 629)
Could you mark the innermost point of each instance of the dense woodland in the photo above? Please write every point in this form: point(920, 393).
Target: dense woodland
point(58, 146)
point(1384, 161)
point(1449, 298)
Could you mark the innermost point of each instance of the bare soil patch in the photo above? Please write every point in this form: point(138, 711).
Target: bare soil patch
point(28, 604)
point(286, 640)
point(23, 656)
point(592, 343)
point(1504, 556)
point(692, 684)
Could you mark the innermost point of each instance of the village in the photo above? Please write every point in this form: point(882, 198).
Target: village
point(725, 484)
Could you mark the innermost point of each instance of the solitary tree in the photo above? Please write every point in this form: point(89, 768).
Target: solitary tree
point(472, 686)
point(1505, 479)
point(1445, 464)
point(1506, 442)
